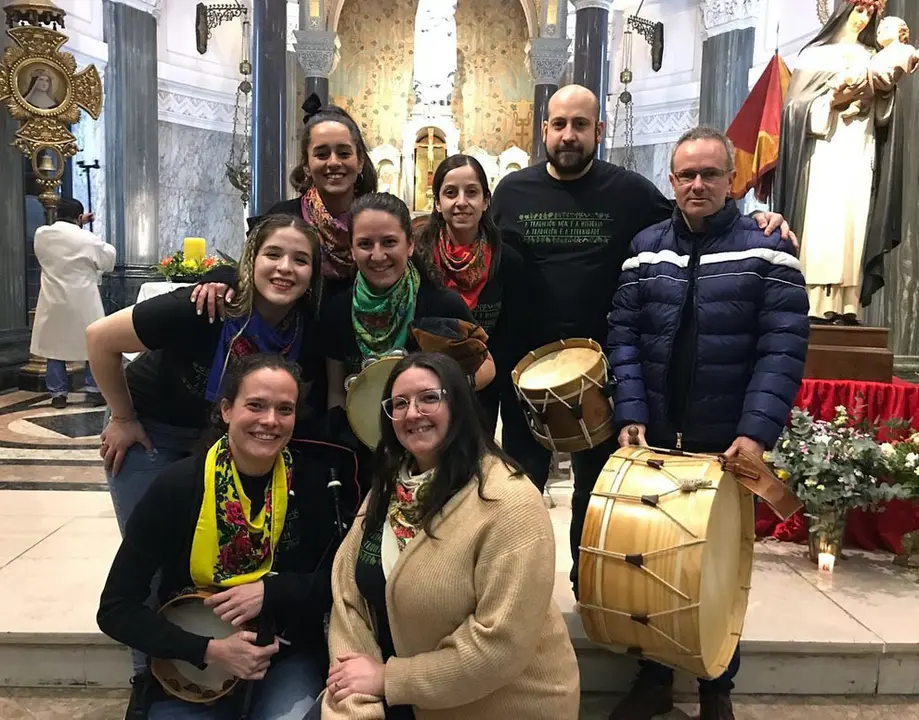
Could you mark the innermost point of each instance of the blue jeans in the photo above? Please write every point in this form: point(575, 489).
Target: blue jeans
point(56, 379)
point(287, 692)
point(656, 674)
point(170, 444)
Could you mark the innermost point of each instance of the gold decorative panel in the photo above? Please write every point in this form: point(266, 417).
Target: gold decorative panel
point(494, 92)
point(373, 80)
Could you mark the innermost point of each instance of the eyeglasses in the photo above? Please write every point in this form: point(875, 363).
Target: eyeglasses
point(426, 403)
point(708, 175)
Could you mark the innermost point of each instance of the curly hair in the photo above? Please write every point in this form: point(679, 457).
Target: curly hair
point(242, 302)
point(879, 6)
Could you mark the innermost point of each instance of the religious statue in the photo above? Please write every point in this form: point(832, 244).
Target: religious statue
point(839, 173)
point(435, 52)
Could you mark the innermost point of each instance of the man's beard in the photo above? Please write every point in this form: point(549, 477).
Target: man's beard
point(569, 164)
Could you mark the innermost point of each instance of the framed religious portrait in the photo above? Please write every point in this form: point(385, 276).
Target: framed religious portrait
point(42, 86)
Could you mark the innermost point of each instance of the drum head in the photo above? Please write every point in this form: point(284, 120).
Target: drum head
point(558, 367)
point(184, 680)
point(364, 397)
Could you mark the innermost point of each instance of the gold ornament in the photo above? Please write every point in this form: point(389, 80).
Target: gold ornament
point(44, 91)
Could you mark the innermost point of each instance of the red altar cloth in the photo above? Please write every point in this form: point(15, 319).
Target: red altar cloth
point(872, 531)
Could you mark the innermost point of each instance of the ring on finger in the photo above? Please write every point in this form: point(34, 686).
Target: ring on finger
point(220, 296)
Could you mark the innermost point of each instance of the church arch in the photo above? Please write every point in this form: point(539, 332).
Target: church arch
point(529, 10)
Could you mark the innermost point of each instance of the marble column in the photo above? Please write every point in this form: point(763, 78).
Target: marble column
point(547, 58)
point(591, 45)
point(269, 103)
point(131, 148)
point(14, 317)
point(897, 304)
point(727, 57)
point(317, 55)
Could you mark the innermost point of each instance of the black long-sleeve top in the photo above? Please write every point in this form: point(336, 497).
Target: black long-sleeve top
point(159, 535)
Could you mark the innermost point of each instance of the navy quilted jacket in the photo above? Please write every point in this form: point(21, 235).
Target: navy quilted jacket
point(750, 322)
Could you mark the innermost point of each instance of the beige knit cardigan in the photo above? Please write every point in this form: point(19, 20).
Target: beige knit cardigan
point(476, 632)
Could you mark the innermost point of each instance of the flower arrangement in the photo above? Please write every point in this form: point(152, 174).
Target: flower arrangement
point(177, 265)
point(901, 459)
point(833, 466)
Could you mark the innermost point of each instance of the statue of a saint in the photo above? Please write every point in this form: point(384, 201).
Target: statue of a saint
point(839, 174)
point(435, 52)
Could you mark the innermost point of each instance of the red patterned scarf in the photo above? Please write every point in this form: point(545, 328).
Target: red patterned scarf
point(464, 267)
point(337, 262)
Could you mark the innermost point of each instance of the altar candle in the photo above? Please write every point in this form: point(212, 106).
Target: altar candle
point(195, 248)
point(826, 561)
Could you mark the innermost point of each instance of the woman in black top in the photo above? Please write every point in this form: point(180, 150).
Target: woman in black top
point(390, 295)
point(159, 404)
point(464, 245)
point(334, 169)
point(251, 522)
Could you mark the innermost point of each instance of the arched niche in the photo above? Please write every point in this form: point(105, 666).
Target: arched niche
point(529, 9)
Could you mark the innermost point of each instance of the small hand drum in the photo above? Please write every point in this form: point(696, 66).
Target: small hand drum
point(364, 393)
point(184, 680)
point(565, 395)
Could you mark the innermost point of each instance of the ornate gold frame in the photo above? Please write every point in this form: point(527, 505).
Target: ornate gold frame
point(43, 134)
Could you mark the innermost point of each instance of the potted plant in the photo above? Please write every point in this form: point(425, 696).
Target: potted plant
point(833, 466)
point(901, 458)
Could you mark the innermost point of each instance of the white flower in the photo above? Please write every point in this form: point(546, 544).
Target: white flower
point(887, 448)
point(917, 471)
point(822, 438)
point(786, 444)
point(911, 459)
point(841, 409)
point(821, 487)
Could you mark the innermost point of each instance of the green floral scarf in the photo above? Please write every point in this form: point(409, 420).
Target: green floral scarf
point(381, 322)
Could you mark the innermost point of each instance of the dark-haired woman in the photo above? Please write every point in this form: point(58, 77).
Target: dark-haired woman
point(391, 294)
point(160, 403)
point(465, 247)
point(253, 525)
point(468, 627)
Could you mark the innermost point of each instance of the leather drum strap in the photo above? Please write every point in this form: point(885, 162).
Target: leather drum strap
point(751, 472)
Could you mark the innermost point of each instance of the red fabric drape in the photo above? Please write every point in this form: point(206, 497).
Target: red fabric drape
point(879, 402)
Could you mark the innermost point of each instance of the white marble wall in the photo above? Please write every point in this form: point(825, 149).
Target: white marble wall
point(196, 199)
point(652, 161)
point(90, 135)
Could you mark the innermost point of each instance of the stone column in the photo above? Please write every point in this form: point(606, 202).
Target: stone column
point(269, 103)
point(317, 55)
point(547, 58)
point(14, 311)
point(591, 45)
point(131, 147)
point(727, 57)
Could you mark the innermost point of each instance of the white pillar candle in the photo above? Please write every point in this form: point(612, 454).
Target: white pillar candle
point(826, 561)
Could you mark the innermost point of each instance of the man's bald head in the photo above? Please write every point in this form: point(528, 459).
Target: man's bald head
point(575, 96)
point(572, 132)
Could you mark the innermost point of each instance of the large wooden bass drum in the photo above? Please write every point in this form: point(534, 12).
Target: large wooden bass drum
point(666, 559)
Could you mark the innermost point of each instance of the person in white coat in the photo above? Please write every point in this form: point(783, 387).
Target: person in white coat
point(72, 262)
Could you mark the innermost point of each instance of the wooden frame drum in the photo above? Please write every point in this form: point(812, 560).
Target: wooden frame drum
point(666, 559)
point(565, 395)
point(184, 680)
point(364, 393)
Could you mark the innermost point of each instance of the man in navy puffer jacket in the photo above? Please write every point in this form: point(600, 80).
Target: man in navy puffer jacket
point(707, 341)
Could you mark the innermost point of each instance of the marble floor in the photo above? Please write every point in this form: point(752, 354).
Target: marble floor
point(815, 646)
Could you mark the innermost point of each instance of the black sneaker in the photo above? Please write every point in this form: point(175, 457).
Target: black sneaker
point(95, 399)
point(645, 700)
point(716, 706)
point(59, 402)
point(139, 703)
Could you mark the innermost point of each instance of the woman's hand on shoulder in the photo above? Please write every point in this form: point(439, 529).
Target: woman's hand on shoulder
point(356, 674)
point(117, 438)
point(238, 604)
point(214, 297)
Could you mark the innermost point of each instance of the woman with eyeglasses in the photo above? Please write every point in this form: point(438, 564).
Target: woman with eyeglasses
point(392, 296)
point(468, 627)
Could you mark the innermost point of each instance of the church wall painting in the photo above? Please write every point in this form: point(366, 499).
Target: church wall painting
point(492, 100)
point(373, 80)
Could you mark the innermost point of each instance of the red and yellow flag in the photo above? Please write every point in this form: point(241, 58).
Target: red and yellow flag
point(755, 132)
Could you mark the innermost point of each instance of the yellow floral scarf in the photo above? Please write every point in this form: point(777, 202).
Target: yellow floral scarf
point(230, 547)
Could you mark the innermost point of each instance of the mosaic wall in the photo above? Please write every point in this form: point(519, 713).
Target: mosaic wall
point(493, 97)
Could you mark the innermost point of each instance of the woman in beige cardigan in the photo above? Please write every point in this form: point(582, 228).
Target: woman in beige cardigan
point(443, 594)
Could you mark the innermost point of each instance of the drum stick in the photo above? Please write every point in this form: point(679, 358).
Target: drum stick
point(264, 638)
point(633, 435)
